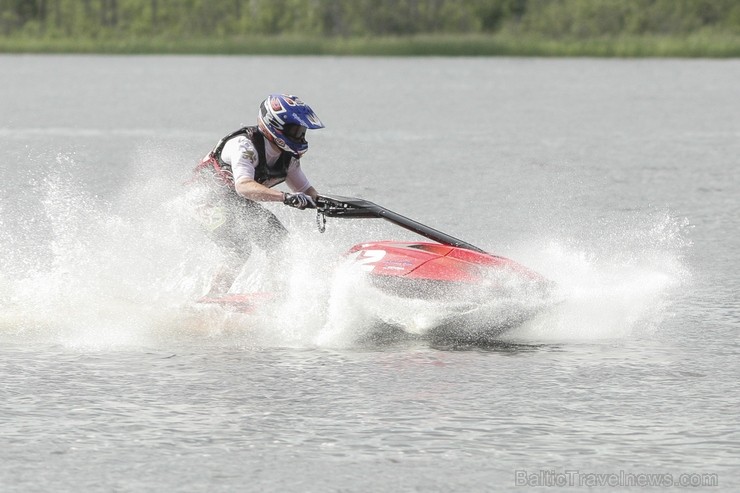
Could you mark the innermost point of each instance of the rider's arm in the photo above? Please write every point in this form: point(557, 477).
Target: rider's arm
point(255, 191)
point(240, 153)
point(243, 158)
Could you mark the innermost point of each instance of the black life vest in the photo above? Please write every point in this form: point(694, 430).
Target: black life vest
point(262, 173)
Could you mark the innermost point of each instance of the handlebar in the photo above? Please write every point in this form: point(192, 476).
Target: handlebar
point(336, 206)
point(348, 207)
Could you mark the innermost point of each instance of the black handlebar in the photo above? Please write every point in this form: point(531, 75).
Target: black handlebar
point(348, 207)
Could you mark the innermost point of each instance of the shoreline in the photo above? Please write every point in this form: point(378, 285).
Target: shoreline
point(704, 45)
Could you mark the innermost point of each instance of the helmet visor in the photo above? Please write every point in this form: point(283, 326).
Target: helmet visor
point(295, 132)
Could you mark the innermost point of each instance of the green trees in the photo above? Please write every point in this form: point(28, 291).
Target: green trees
point(590, 18)
point(359, 18)
point(409, 27)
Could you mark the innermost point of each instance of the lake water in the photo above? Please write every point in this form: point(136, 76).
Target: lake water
point(617, 179)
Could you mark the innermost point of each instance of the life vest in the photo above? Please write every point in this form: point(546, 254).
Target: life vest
point(221, 171)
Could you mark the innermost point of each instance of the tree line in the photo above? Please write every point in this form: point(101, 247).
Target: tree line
point(93, 19)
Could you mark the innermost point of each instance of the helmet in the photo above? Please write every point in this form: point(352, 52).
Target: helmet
point(283, 119)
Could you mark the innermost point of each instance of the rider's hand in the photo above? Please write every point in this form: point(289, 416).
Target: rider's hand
point(299, 200)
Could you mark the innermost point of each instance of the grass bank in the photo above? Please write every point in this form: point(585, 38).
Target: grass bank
point(707, 45)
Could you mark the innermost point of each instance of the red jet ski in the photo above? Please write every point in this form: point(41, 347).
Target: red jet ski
point(489, 293)
point(448, 264)
point(474, 295)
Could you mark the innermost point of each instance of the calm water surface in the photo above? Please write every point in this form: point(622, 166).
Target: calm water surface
point(615, 178)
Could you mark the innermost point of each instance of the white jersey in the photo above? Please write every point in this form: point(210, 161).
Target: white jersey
point(239, 152)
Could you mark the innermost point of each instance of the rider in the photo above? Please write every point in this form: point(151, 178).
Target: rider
point(241, 171)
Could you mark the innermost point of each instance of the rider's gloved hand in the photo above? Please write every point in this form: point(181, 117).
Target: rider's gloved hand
point(299, 200)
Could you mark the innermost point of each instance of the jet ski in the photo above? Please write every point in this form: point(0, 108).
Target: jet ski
point(468, 292)
point(451, 288)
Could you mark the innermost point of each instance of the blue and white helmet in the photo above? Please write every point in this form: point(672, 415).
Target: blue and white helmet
point(283, 119)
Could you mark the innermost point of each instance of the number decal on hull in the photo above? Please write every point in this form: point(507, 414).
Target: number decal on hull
point(365, 260)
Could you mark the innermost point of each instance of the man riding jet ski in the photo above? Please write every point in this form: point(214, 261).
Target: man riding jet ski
point(240, 172)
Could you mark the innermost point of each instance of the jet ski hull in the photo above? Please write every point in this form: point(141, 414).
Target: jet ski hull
point(446, 292)
point(434, 264)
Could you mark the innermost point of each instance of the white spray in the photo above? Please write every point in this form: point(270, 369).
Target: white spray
point(127, 272)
